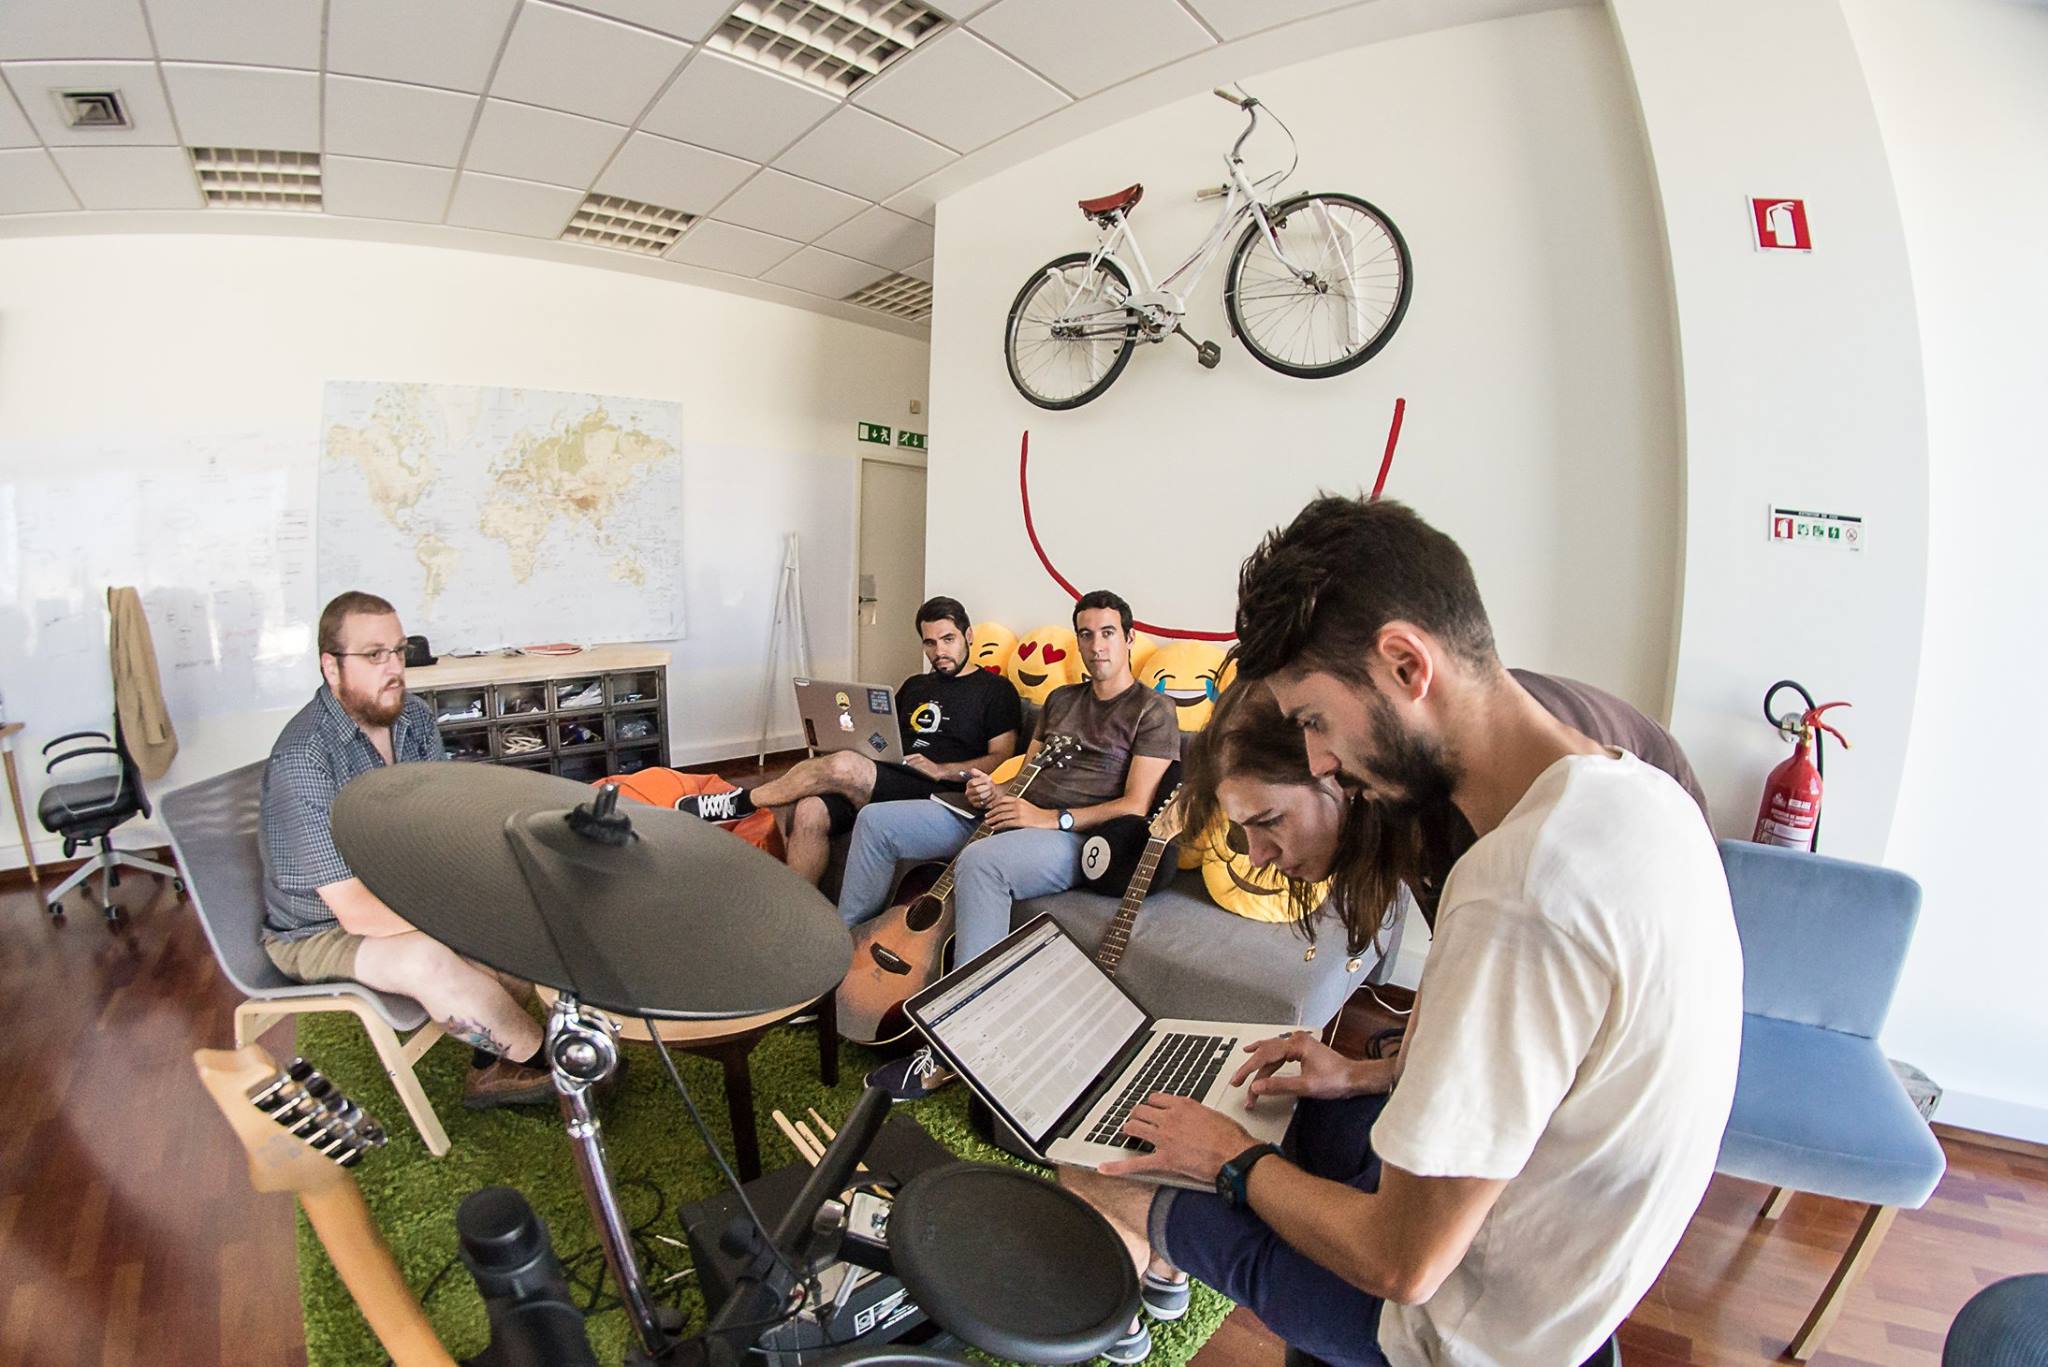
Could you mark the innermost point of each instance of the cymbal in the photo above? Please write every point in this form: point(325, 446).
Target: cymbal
point(682, 920)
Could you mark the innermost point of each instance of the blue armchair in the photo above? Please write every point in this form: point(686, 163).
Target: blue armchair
point(1817, 1107)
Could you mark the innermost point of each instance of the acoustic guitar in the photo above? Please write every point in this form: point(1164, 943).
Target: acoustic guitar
point(903, 951)
point(302, 1135)
point(1165, 827)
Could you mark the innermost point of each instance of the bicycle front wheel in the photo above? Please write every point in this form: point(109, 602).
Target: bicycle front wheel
point(1069, 333)
point(1333, 297)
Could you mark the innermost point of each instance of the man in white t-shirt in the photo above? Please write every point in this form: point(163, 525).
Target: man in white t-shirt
point(1570, 1066)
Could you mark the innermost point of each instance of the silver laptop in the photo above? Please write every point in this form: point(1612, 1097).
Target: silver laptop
point(850, 716)
point(1062, 1053)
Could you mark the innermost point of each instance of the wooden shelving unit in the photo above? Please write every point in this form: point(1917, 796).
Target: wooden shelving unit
point(602, 711)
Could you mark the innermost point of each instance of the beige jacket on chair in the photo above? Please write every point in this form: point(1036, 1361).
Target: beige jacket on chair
point(138, 689)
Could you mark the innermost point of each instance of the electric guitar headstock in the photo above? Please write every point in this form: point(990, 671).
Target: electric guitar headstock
point(300, 1131)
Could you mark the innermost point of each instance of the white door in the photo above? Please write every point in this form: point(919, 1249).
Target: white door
point(891, 574)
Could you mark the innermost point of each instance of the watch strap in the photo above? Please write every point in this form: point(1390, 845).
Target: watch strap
point(1236, 1174)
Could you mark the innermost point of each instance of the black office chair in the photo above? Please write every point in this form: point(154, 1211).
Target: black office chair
point(86, 811)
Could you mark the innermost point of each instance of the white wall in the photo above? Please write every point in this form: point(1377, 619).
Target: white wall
point(1959, 95)
point(1801, 386)
point(198, 335)
point(1534, 359)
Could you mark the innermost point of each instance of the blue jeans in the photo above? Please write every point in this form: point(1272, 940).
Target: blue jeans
point(1233, 1250)
point(996, 872)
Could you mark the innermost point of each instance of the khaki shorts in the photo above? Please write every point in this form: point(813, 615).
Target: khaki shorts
point(321, 957)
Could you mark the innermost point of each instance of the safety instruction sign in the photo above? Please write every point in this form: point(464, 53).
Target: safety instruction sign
point(1835, 531)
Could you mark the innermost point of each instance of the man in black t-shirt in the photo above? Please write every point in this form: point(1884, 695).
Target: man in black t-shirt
point(954, 720)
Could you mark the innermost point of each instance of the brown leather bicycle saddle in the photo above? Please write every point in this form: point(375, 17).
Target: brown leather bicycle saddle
point(1125, 199)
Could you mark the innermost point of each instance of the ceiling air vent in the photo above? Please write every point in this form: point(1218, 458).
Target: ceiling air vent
point(247, 178)
point(92, 109)
point(906, 296)
point(626, 225)
point(832, 44)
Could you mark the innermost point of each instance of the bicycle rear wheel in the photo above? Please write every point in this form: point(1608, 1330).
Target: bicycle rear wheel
point(1069, 335)
point(1345, 312)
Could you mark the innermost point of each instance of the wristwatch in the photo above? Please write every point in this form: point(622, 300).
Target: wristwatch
point(1231, 1178)
point(1066, 819)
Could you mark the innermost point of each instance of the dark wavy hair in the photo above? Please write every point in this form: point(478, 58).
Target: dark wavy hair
point(1377, 851)
point(1103, 598)
point(1315, 594)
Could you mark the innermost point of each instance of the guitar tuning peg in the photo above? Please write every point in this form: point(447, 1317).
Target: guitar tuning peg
point(1351, 964)
point(270, 1095)
point(349, 1158)
point(298, 1070)
point(372, 1135)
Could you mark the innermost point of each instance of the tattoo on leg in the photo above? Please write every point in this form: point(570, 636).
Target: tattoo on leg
point(474, 1035)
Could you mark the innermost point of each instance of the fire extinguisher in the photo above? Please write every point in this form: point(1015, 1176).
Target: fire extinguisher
point(1790, 812)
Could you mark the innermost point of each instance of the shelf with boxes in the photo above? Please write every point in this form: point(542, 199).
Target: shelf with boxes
point(603, 711)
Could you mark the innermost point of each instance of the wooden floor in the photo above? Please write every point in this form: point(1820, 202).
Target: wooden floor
point(129, 1234)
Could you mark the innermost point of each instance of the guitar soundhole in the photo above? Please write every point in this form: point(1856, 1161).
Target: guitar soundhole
point(923, 914)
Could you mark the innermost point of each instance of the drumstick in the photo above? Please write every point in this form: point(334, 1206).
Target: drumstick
point(830, 1133)
point(796, 1140)
point(805, 1131)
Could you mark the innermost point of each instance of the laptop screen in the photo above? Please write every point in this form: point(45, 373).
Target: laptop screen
point(1034, 1022)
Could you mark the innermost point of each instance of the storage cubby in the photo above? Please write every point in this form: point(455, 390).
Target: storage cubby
point(641, 687)
point(522, 699)
point(582, 732)
point(453, 706)
point(471, 744)
point(520, 742)
point(574, 695)
point(584, 768)
point(603, 711)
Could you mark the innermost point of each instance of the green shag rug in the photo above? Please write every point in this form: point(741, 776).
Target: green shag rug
point(656, 1155)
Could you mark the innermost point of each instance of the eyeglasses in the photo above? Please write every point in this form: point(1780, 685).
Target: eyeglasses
point(378, 656)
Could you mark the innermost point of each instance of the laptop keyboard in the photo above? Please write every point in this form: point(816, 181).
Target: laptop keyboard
point(1182, 1065)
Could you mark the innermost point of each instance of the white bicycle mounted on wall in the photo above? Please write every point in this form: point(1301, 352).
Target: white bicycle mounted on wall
point(1316, 287)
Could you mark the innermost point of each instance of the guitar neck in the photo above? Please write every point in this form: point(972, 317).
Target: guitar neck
point(942, 888)
point(1117, 938)
point(364, 1261)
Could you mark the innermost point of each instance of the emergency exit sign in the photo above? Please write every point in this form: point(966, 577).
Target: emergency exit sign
point(874, 432)
point(1835, 531)
point(913, 440)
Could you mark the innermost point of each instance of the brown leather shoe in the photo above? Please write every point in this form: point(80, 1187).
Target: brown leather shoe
point(506, 1083)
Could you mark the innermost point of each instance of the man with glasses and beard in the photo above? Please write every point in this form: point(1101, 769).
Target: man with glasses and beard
point(955, 720)
point(320, 922)
point(1572, 1056)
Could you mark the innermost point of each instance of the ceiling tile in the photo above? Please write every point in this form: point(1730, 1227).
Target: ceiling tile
point(960, 91)
point(882, 237)
point(823, 272)
point(540, 144)
point(921, 271)
point(1124, 39)
point(397, 122)
point(672, 174)
point(732, 107)
point(131, 177)
point(738, 251)
point(245, 106)
point(916, 202)
point(450, 45)
point(258, 32)
point(1236, 18)
point(690, 19)
point(512, 206)
point(586, 65)
point(788, 207)
point(97, 29)
point(966, 9)
point(141, 93)
point(15, 129)
point(859, 153)
point(384, 189)
point(29, 184)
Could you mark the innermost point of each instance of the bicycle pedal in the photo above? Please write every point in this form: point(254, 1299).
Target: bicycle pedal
point(1208, 353)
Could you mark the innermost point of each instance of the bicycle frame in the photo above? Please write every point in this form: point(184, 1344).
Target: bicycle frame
point(1158, 306)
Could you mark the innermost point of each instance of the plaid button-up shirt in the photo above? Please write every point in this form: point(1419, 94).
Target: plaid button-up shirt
point(320, 749)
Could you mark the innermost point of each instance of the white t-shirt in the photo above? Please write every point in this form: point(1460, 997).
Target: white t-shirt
point(1580, 1018)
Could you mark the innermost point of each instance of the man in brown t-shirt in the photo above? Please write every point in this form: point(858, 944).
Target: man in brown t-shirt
point(1127, 737)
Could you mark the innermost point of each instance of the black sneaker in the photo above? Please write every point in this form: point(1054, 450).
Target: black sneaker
point(717, 806)
point(1133, 1347)
point(1163, 1298)
point(912, 1078)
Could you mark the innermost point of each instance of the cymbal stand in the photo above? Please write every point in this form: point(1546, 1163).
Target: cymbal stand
point(582, 1052)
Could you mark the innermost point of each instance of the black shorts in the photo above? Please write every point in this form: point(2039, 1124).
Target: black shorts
point(893, 783)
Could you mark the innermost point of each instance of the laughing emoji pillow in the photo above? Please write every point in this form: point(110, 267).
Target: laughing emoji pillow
point(1188, 675)
point(1048, 658)
point(1142, 647)
point(993, 644)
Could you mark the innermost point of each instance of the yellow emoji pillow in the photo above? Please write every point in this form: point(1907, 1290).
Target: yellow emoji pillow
point(1142, 647)
point(1187, 674)
point(993, 643)
point(1237, 885)
point(1048, 658)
